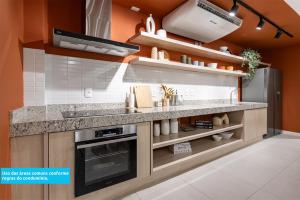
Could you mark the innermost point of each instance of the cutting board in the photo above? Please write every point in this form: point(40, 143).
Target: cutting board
point(143, 96)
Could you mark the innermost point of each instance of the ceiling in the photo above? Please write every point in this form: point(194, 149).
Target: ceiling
point(247, 36)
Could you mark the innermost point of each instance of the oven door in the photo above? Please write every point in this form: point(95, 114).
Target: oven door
point(102, 163)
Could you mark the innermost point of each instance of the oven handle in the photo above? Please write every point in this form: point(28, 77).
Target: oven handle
point(106, 142)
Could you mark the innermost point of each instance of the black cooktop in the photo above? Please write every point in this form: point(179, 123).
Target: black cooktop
point(91, 113)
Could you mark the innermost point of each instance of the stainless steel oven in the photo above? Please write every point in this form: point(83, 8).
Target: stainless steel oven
point(104, 157)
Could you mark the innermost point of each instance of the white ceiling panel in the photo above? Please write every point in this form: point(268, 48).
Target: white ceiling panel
point(295, 4)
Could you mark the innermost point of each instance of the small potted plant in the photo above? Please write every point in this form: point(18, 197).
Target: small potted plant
point(169, 92)
point(252, 59)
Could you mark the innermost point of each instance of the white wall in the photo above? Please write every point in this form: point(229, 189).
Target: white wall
point(66, 78)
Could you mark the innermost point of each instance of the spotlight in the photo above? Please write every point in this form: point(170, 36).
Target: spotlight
point(278, 34)
point(234, 9)
point(260, 23)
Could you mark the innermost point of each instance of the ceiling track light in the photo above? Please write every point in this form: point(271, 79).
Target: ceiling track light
point(262, 18)
point(260, 24)
point(278, 34)
point(233, 11)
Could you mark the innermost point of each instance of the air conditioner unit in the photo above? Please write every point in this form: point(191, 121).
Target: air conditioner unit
point(200, 20)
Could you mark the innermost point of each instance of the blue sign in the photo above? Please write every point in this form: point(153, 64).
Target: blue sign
point(34, 175)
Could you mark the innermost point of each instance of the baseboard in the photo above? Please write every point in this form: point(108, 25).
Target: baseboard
point(290, 133)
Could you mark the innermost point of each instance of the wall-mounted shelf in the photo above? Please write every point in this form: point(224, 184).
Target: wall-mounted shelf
point(181, 66)
point(148, 39)
point(166, 140)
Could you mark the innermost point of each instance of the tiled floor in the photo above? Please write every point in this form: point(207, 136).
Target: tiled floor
point(269, 170)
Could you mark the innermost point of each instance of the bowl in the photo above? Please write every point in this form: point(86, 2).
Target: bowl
point(212, 65)
point(227, 135)
point(217, 138)
point(162, 33)
point(224, 48)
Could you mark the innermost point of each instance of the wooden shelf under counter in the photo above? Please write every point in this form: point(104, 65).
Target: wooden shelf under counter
point(166, 140)
point(163, 157)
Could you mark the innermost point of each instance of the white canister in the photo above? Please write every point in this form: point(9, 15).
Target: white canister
point(161, 55)
point(154, 53)
point(156, 130)
point(165, 127)
point(174, 125)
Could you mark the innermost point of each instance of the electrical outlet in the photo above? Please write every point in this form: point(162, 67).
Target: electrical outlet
point(88, 92)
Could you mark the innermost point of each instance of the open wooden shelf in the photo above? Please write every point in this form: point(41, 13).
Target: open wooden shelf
point(181, 66)
point(183, 47)
point(148, 39)
point(166, 140)
point(163, 157)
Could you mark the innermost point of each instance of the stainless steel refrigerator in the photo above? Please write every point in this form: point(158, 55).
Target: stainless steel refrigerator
point(266, 87)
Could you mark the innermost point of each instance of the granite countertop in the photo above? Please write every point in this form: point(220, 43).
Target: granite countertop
point(43, 119)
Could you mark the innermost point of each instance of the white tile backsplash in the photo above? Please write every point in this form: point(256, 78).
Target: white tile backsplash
point(53, 79)
point(34, 77)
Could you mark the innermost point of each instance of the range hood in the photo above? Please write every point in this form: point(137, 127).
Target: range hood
point(97, 33)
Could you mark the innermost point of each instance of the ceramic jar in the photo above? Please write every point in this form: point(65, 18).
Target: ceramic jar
point(154, 53)
point(165, 127)
point(156, 130)
point(174, 126)
point(150, 25)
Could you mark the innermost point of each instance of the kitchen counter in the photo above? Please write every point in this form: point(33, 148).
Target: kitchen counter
point(49, 119)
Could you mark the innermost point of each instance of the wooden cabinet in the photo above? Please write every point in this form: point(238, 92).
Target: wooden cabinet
point(27, 151)
point(255, 124)
point(61, 154)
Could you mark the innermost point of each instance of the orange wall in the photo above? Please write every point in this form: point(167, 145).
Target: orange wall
point(10, 75)
point(30, 23)
point(286, 60)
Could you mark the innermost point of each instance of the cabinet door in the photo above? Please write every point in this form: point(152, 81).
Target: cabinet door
point(250, 128)
point(262, 122)
point(144, 150)
point(27, 151)
point(61, 154)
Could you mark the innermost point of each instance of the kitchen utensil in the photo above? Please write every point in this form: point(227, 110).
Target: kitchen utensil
point(227, 135)
point(189, 60)
point(165, 102)
point(174, 126)
point(201, 63)
point(158, 103)
point(156, 130)
point(230, 68)
point(131, 99)
point(143, 96)
point(166, 55)
point(217, 138)
point(161, 55)
point(196, 62)
point(154, 53)
point(224, 49)
point(180, 100)
point(183, 58)
point(165, 127)
point(161, 33)
point(212, 65)
point(239, 71)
